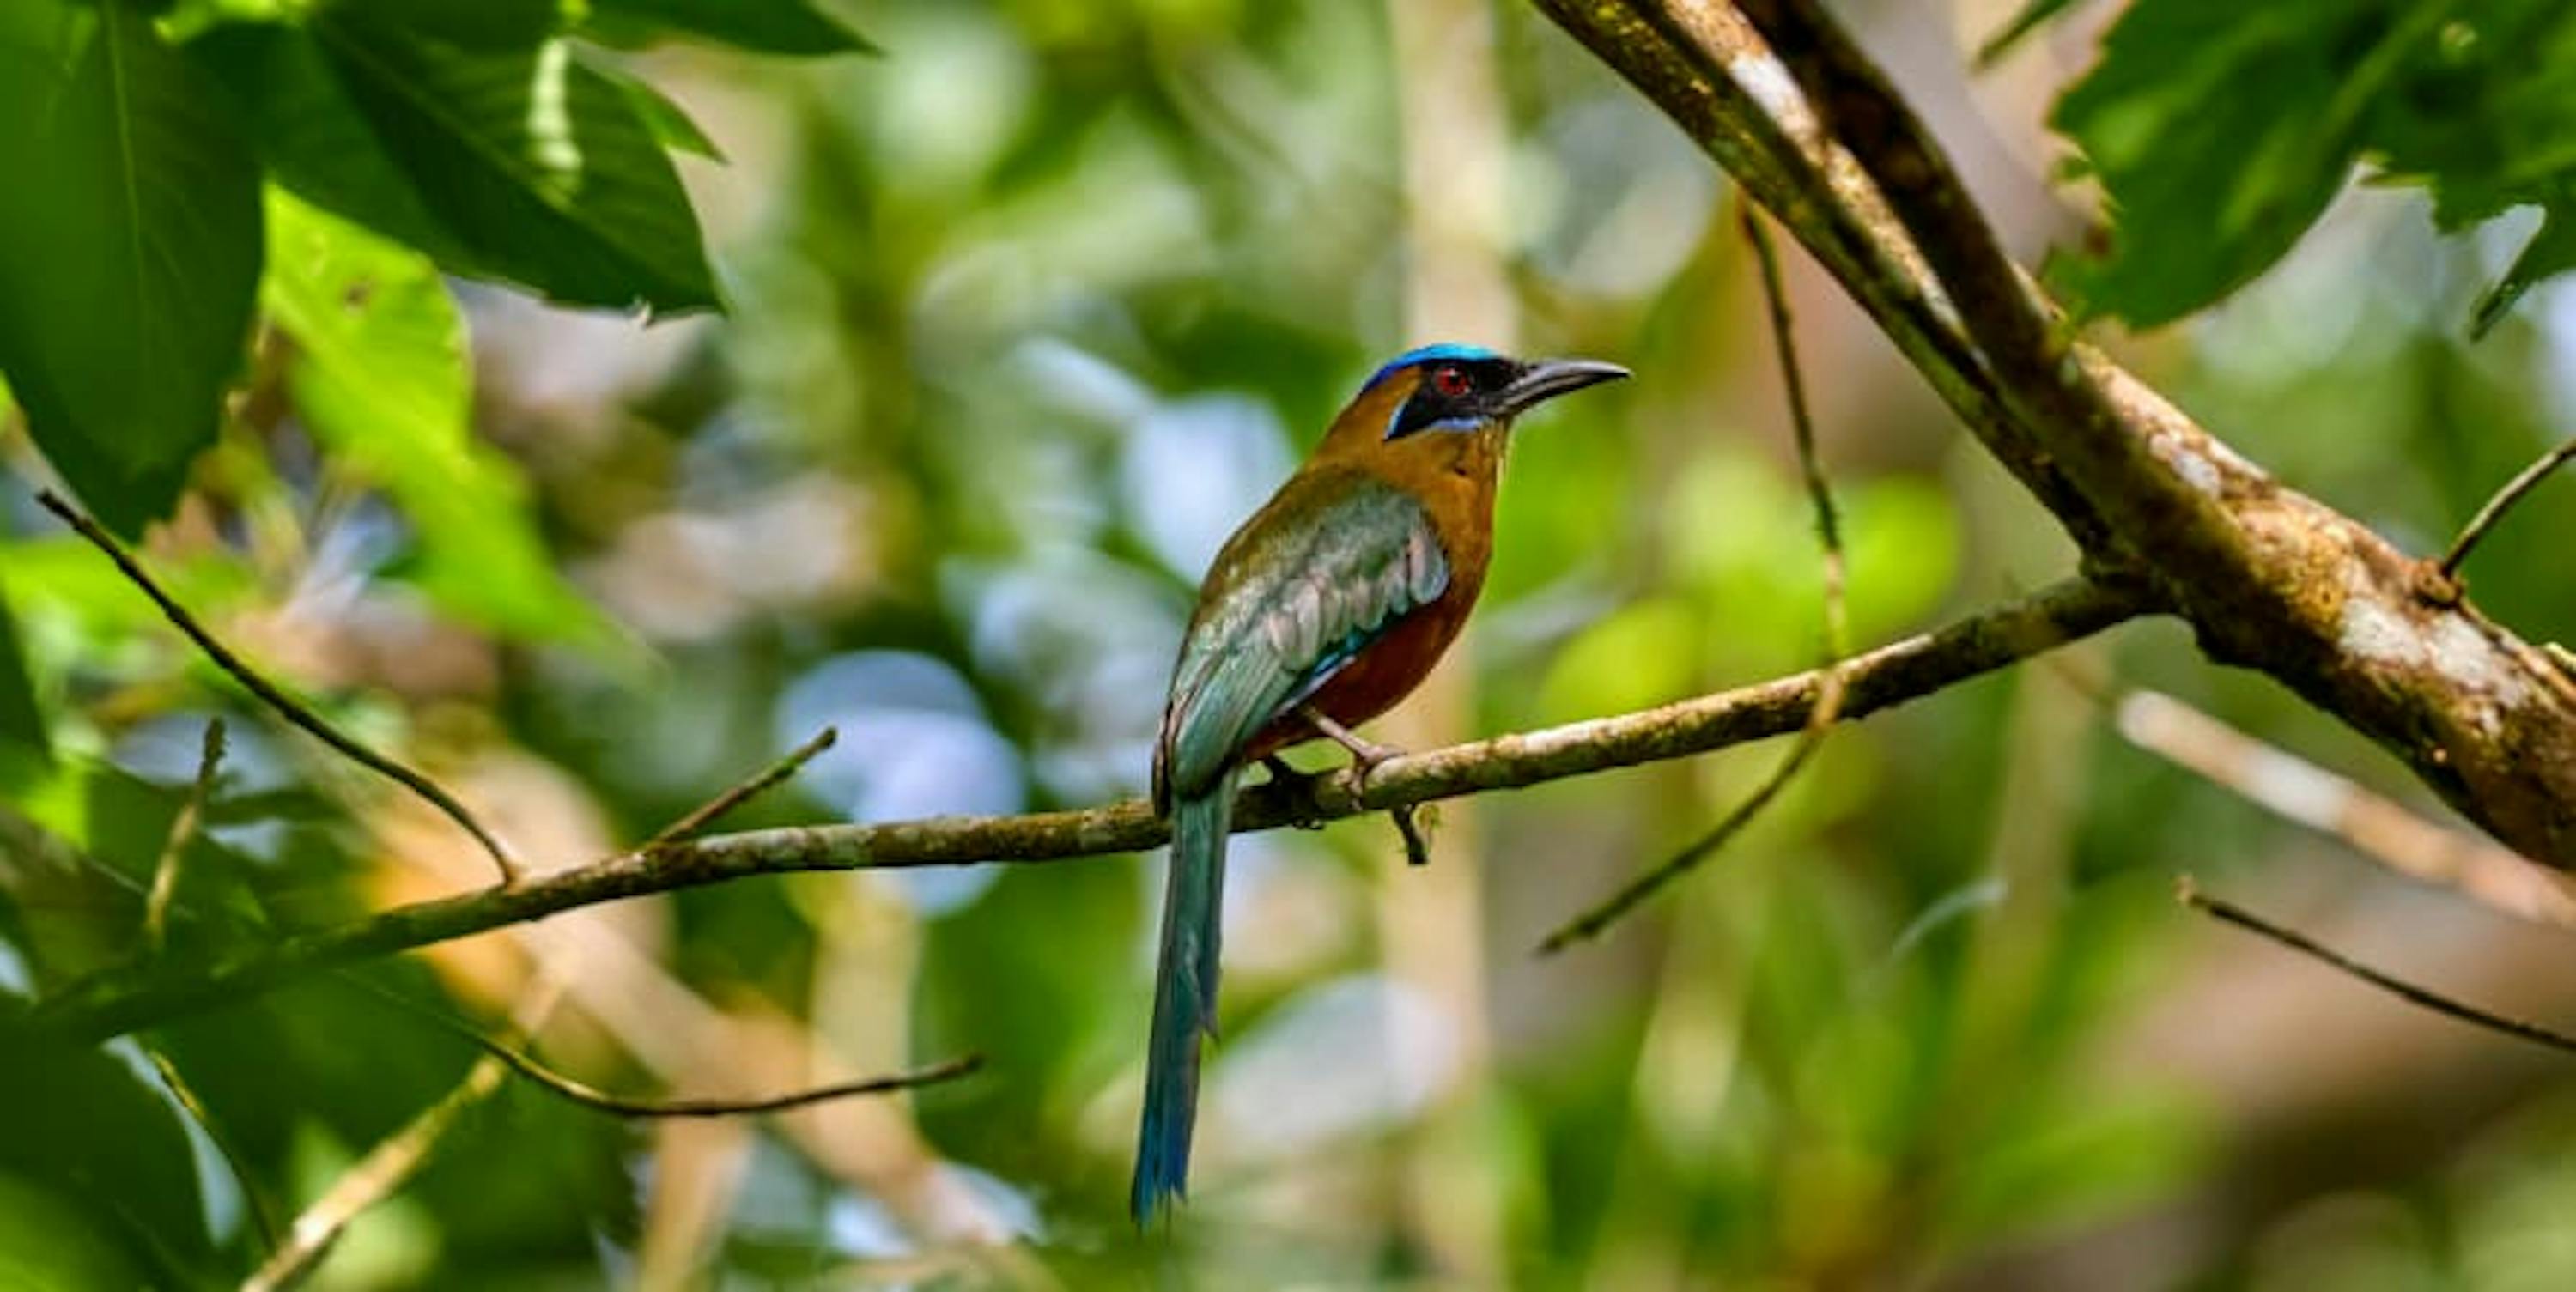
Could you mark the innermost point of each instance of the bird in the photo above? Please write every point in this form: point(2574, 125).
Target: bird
point(1329, 605)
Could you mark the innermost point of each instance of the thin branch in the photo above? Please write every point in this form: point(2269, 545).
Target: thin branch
point(705, 813)
point(592, 1097)
point(263, 1214)
point(2503, 502)
point(1802, 425)
point(2188, 893)
point(268, 693)
point(119, 1000)
point(183, 831)
point(1829, 694)
point(2372, 824)
point(1590, 923)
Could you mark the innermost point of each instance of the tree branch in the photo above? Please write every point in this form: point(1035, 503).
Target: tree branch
point(122, 999)
point(2268, 578)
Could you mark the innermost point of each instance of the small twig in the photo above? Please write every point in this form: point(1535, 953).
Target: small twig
point(268, 693)
point(1589, 924)
point(263, 1216)
point(1802, 425)
point(183, 831)
point(2503, 502)
point(1829, 689)
point(706, 813)
point(589, 1096)
point(2188, 893)
point(592, 1097)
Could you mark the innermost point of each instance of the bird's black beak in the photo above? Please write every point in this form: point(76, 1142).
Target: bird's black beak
point(1541, 380)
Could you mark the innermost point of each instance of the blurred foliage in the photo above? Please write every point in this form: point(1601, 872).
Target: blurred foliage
point(1024, 314)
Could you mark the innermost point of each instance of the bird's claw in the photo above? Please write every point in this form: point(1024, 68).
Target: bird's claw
point(1366, 754)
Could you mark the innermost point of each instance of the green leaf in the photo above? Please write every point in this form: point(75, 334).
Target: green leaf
point(475, 24)
point(22, 723)
point(89, 1128)
point(381, 377)
point(765, 26)
point(2221, 130)
point(518, 165)
point(2552, 250)
point(2209, 124)
point(129, 250)
point(313, 138)
point(2486, 120)
point(46, 1242)
point(670, 123)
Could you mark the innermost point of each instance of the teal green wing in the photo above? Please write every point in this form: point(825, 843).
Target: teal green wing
point(1330, 564)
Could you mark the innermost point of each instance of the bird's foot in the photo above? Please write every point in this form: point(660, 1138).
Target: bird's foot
point(1299, 790)
point(1366, 754)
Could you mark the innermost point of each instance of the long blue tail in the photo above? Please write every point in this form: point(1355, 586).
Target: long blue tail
point(1184, 995)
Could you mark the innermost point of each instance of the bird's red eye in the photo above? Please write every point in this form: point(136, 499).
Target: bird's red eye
point(1450, 380)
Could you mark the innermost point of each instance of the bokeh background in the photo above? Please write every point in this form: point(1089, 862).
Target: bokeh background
point(1027, 313)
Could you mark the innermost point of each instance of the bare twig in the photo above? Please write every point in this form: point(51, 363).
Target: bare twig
point(2188, 893)
point(2373, 824)
point(1591, 922)
point(1802, 425)
point(183, 831)
point(1829, 692)
point(2502, 502)
point(593, 1097)
point(263, 1215)
point(705, 813)
point(268, 693)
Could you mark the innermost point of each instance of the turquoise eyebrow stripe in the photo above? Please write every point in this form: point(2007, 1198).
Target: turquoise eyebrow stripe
point(1444, 350)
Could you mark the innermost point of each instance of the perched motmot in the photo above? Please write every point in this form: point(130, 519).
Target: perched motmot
point(1322, 611)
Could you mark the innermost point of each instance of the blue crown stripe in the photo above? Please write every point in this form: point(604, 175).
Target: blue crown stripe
point(1425, 354)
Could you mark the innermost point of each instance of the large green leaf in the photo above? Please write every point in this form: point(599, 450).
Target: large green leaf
point(768, 26)
point(381, 378)
point(479, 24)
point(129, 247)
point(2487, 121)
point(2206, 123)
point(46, 1242)
point(2220, 130)
point(521, 165)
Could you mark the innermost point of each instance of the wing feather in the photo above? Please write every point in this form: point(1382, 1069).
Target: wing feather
point(1332, 563)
